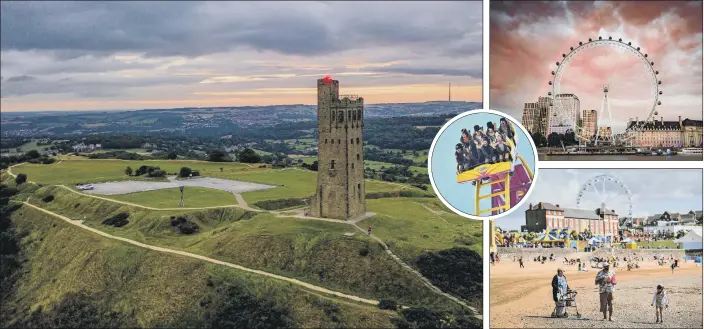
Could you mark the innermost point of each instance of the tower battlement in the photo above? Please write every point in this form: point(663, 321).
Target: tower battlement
point(340, 191)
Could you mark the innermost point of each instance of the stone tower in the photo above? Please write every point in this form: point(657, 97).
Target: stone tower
point(340, 189)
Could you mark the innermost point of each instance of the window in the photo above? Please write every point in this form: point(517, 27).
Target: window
point(332, 141)
point(332, 117)
point(357, 156)
point(351, 141)
point(339, 142)
point(359, 114)
point(354, 116)
point(326, 141)
point(332, 164)
point(357, 140)
point(352, 165)
point(349, 116)
point(359, 191)
point(341, 116)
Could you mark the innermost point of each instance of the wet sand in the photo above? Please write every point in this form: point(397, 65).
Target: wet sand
point(521, 298)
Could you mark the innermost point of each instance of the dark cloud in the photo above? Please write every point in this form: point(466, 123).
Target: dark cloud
point(69, 29)
point(21, 78)
point(475, 73)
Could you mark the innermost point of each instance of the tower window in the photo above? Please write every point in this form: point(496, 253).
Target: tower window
point(359, 114)
point(351, 141)
point(357, 156)
point(357, 140)
point(332, 141)
point(354, 116)
point(341, 116)
point(339, 142)
point(332, 164)
point(326, 141)
point(332, 117)
point(359, 191)
point(349, 116)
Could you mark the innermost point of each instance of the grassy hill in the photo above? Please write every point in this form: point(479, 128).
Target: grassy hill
point(417, 228)
point(71, 277)
point(312, 251)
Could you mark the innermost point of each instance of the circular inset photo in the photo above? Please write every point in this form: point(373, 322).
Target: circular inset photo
point(482, 164)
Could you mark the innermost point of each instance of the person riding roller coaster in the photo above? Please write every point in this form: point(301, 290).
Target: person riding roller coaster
point(485, 148)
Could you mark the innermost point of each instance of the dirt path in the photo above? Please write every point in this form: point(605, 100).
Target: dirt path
point(309, 286)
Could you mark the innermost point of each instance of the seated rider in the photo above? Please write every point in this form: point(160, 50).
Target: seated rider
point(502, 150)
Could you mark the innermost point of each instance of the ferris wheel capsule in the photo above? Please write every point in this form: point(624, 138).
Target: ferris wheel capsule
point(580, 43)
point(619, 40)
point(590, 39)
point(646, 55)
point(656, 113)
point(599, 37)
point(659, 103)
point(638, 48)
point(550, 83)
point(652, 63)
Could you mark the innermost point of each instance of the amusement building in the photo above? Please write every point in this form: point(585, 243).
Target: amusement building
point(601, 222)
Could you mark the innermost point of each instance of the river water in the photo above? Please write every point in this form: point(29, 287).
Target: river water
point(629, 157)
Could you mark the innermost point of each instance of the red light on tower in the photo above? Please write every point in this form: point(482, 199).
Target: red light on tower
point(327, 79)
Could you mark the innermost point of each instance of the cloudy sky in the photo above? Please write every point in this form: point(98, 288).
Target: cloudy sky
point(673, 190)
point(528, 38)
point(130, 55)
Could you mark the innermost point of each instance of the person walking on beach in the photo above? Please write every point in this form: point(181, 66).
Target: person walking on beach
point(672, 267)
point(520, 262)
point(606, 281)
point(660, 300)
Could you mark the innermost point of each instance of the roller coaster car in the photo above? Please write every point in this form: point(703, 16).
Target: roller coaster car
point(484, 171)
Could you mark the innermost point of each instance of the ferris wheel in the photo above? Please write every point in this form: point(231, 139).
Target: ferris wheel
point(562, 115)
point(603, 188)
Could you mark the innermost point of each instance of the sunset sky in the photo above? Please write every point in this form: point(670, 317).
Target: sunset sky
point(133, 55)
point(528, 38)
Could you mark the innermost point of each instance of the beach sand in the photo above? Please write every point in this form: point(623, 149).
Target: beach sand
point(521, 297)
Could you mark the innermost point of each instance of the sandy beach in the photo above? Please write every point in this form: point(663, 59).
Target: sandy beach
point(521, 297)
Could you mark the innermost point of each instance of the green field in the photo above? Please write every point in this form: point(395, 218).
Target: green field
point(76, 171)
point(666, 244)
point(169, 198)
point(66, 269)
point(409, 228)
point(376, 165)
point(291, 183)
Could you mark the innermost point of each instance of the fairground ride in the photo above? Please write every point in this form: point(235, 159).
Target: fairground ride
point(564, 116)
point(506, 183)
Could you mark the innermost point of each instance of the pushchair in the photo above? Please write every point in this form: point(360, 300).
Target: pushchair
point(565, 301)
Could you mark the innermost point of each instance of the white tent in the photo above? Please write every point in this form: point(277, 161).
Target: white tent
point(691, 240)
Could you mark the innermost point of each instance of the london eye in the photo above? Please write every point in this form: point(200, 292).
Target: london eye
point(563, 116)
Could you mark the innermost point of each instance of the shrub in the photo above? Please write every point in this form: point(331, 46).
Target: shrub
point(239, 309)
point(457, 270)
point(118, 220)
point(280, 203)
point(48, 198)
point(185, 172)
point(184, 225)
point(20, 179)
point(128, 171)
point(387, 304)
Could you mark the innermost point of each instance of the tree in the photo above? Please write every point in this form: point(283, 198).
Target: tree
point(33, 154)
point(128, 171)
point(172, 156)
point(185, 172)
point(248, 155)
point(20, 179)
point(217, 156)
